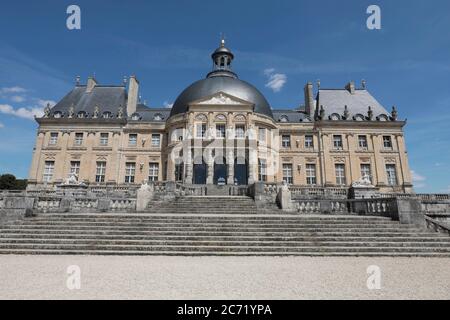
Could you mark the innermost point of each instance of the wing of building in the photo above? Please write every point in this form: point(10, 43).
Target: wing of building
point(220, 130)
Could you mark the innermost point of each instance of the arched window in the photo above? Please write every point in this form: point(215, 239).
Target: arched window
point(359, 117)
point(57, 114)
point(82, 114)
point(158, 117)
point(335, 117)
point(106, 115)
point(135, 116)
point(284, 118)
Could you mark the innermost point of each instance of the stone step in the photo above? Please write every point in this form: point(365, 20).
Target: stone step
point(303, 217)
point(217, 248)
point(212, 253)
point(218, 218)
point(335, 233)
point(211, 224)
point(224, 243)
point(150, 236)
point(211, 228)
point(181, 219)
point(312, 224)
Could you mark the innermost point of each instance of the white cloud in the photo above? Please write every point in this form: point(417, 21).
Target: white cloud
point(418, 180)
point(18, 99)
point(43, 103)
point(276, 81)
point(26, 113)
point(168, 105)
point(15, 89)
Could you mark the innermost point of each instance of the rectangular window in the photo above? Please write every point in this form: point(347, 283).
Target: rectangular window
point(153, 171)
point(366, 171)
point(309, 142)
point(130, 170)
point(104, 139)
point(311, 174)
point(48, 171)
point(337, 142)
point(240, 131)
point(262, 135)
point(362, 142)
point(286, 141)
point(156, 140)
point(287, 173)
point(340, 174)
point(262, 170)
point(387, 142)
point(78, 139)
point(391, 173)
point(53, 138)
point(74, 168)
point(179, 171)
point(220, 131)
point(100, 172)
point(132, 139)
point(201, 130)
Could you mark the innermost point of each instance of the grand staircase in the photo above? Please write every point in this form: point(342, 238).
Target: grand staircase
point(217, 226)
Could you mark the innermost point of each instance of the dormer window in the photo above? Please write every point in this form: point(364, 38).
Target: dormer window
point(82, 115)
point(57, 115)
point(158, 117)
point(135, 116)
point(284, 118)
point(106, 115)
point(335, 117)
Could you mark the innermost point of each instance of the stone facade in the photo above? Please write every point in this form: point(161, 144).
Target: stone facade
point(106, 136)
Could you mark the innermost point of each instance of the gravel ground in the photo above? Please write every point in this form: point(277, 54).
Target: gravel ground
point(114, 277)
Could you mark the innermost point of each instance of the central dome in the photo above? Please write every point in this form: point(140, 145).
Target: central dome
point(209, 86)
point(221, 79)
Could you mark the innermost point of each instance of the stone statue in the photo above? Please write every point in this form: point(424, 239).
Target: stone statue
point(120, 113)
point(370, 114)
point(322, 113)
point(394, 114)
point(47, 111)
point(72, 179)
point(71, 111)
point(363, 182)
point(146, 187)
point(96, 112)
point(346, 113)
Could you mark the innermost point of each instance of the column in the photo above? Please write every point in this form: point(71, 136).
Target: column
point(189, 166)
point(210, 170)
point(230, 165)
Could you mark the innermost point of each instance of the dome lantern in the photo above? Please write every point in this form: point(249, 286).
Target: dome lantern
point(222, 58)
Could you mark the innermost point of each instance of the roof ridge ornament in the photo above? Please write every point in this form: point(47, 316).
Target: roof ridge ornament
point(394, 114)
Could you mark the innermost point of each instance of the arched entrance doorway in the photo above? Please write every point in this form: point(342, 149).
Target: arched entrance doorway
point(220, 171)
point(240, 171)
point(199, 171)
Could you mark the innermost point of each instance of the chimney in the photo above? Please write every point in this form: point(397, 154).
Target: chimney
point(351, 87)
point(91, 83)
point(309, 98)
point(133, 93)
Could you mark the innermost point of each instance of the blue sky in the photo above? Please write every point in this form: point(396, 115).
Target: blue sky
point(167, 44)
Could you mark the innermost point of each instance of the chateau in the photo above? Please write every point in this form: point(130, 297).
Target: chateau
point(220, 130)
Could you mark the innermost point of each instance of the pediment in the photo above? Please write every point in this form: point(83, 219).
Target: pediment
point(221, 98)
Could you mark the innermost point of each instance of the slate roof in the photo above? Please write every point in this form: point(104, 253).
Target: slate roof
point(151, 114)
point(335, 100)
point(290, 116)
point(107, 98)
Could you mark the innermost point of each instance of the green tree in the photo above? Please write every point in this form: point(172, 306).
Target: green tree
point(9, 182)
